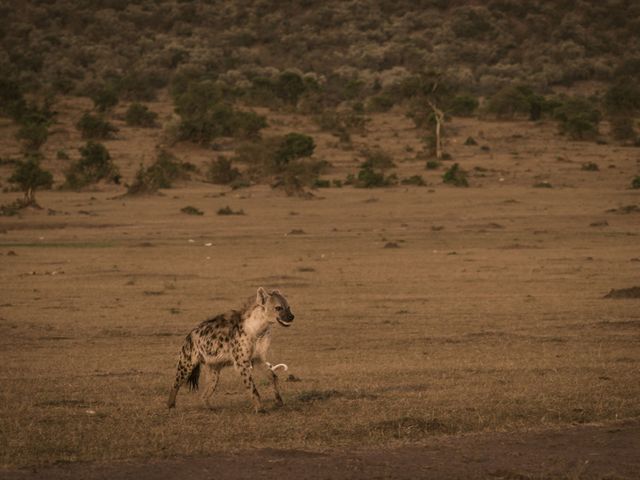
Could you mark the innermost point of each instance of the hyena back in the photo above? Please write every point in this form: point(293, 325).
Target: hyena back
point(238, 338)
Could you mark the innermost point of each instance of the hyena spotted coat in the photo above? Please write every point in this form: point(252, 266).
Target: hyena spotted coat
point(238, 338)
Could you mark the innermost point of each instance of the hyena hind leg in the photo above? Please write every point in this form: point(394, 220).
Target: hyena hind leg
point(187, 372)
point(214, 378)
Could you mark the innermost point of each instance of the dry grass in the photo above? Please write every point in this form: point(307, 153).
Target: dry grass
point(489, 317)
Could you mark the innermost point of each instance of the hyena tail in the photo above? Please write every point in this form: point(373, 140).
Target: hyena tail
point(188, 370)
point(194, 378)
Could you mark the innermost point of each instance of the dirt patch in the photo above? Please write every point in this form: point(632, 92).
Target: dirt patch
point(585, 452)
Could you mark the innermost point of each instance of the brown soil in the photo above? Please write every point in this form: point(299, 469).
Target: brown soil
point(584, 452)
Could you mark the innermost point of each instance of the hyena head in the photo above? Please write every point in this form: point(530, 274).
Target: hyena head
point(276, 307)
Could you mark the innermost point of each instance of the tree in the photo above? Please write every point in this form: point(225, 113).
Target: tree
point(29, 176)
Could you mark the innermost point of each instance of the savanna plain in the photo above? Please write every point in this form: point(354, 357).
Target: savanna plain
point(425, 315)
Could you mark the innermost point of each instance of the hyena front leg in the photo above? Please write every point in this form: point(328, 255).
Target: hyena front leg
point(274, 382)
point(244, 367)
point(214, 377)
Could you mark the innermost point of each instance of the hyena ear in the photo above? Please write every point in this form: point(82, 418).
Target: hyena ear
point(275, 292)
point(262, 296)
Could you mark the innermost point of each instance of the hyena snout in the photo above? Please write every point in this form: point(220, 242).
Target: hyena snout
point(286, 317)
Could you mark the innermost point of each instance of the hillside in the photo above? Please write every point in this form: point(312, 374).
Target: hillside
point(68, 45)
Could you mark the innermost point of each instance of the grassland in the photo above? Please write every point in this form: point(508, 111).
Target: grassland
point(488, 317)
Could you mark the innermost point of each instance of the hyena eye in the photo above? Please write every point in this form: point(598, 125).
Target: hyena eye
point(278, 308)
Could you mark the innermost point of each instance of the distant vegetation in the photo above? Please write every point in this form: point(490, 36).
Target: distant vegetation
point(283, 53)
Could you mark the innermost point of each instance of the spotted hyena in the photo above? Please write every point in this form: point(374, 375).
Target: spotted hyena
point(238, 338)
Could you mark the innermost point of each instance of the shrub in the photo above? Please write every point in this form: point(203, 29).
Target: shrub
point(205, 116)
point(29, 176)
point(380, 103)
point(455, 176)
point(34, 121)
point(139, 115)
point(160, 174)
point(433, 164)
point(12, 102)
point(94, 165)
point(222, 172)
point(189, 210)
point(104, 98)
point(33, 134)
point(289, 87)
point(377, 159)
point(623, 98)
point(414, 180)
point(590, 167)
point(622, 128)
point(635, 183)
point(95, 127)
point(579, 118)
point(463, 105)
point(228, 211)
point(293, 146)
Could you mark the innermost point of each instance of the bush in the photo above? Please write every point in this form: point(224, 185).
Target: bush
point(414, 180)
point(228, 211)
point(95, 127)
point(189, 210)
point(623, 98)
point(455, 176)
point(222, 172)
point(29, 176)
point(104, 98)
point(293, 146)
point(139, 115)
point(622, 128)
point(433, 164)
point(635, 183)
point(94, 165)
point(463, 105)
point(205, 116)
point(160, 174)
point(579, 118)
point(377, 159)
point(12, 102)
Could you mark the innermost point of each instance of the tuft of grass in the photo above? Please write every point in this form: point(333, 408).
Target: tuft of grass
point(543, 184)
point(189, 210)
point(590, 167)
point(228, 211)
point(455, 176)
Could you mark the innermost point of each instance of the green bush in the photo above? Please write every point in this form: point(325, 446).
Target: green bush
point(29, 176)
point(623, 97)
point(463, 105)
point(160, 174)
point(578, 118)
point(12, 102)
point(95, 127)
point(222, 172)
point(433, 164)
point(622, 128)
point(205, 115)
point(455, 176)
point(377, 159)
point(293, 146)
point(414, 180)
point(104, 98)
point(94, 165)
point(139, 115)
point(635, 183)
